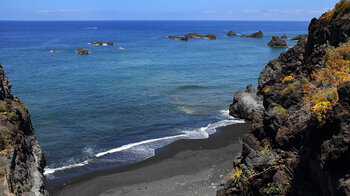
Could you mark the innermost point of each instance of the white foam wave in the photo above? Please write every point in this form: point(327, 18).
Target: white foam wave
point(90, 28)
point(48, 171)
point(226, 113)
point(125, 147)
point(147, 148)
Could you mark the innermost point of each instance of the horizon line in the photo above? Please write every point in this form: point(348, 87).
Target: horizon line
point(154, 20)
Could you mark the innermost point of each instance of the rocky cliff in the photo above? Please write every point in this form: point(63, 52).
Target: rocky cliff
point(299, 144)
point(21, 158)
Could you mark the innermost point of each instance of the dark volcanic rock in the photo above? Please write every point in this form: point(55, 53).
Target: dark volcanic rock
point(255, 35)
point(289, 151)
point(246, 104)
point(110, 43)
point(82, 51)
point(231, 33)
point(277, 42)
point(193, 35)
point(21, 159)
point(178, 38)
point(284, 37)
point(97, 43)
point(299, 37)
point(197, 35)
point(210, 36)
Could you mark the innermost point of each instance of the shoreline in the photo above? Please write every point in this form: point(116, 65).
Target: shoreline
point(189, 158)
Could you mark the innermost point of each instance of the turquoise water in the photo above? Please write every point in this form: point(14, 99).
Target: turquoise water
point(113, 106)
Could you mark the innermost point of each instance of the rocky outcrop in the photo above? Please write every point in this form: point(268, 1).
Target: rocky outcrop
point(178, 38)
point(98, 43)
point(197, 35)
point(291, 148)
point(21, 159)
point(277, 42)
point(231, 33)
point(284, 37)
point(82, 51)
point(246, 104)
point(299, 37)
point(255, 35)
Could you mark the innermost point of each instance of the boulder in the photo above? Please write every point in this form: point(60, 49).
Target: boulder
point(231, 33)
point(178, 38)
point(255, 35)
point(82, 51)
point(246, 104)
point(110, 43)
point(284, 37)
point(277, 42)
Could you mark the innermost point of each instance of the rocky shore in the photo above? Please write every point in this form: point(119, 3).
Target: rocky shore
point(21, 159)
point(299, 143)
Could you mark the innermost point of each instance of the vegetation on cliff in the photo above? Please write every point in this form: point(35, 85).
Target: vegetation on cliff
point(300, 143)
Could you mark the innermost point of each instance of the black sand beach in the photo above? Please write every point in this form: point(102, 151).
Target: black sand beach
point(185, 167)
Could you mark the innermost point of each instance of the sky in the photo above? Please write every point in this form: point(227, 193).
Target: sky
point(275, 10)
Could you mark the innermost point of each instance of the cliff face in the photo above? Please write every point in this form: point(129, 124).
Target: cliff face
point(300, 143)
point(21, 158)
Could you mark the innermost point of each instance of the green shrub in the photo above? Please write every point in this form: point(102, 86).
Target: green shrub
point(279, 110)
point(12, 116)
point(3, 107)
point(290, 89)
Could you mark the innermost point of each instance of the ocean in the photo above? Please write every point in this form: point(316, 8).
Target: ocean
point(123, 103)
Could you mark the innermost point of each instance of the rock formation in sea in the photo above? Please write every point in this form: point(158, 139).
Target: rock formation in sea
point(284, 37)
point(97, 43)
point(82, 51)
point(178, 38)
point(300, 143)
point(255, 35)
point(277, 42)
point(231, 33)
point(21, 159)
point(197, 35)
point(110, 43)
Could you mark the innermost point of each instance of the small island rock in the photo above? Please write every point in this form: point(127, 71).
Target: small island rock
point(110, 43)
point(82, 51)
point(277, 42)
point(210, 36)
point(255, 35)
point(284, 37)
point(231, 33)
point(178, 38)
point(97, 43)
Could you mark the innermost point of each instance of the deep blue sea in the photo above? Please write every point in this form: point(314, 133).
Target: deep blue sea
point(113, 106)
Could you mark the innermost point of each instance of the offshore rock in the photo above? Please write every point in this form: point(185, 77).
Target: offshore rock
point(277, 42)
point(178, 38)
point(82, 51)
point(231, 33)
point(255, 35)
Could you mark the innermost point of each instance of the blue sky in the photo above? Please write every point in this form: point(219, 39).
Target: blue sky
point(163, 9)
